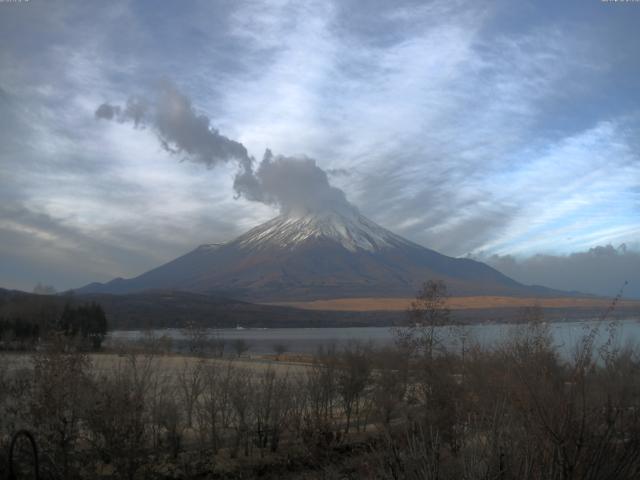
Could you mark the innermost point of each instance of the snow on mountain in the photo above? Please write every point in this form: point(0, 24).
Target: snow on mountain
point(351, 230)
point(328, 254)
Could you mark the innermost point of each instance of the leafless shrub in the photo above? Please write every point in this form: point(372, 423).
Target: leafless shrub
point(271, 408)
point(412, 454)
point(119, 418)
point(57, 403)
point(354, 374)
point(390, 383)
point(190, 384)
point(217, 345)
point(241, 401)
point(15, 398)
point(427, 313)
point(149, 343)
point(280, 349)
point(214, 408)
point(198, 338)
point(240, 346)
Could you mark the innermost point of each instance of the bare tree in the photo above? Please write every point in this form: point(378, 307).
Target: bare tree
point(214, 408)
point(240, 346)
point(168, 415)
point(119, 417)
point(264, 399)
point(353, 378)
point(218, 344)
point(322, 387)
point(389, 384)
point(241, 401)
point(427, 313)
point(280, 349)
point(61, 379)
point(190, 386)
point(198, 338)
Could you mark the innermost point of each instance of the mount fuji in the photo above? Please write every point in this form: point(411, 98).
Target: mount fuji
point(319, 255)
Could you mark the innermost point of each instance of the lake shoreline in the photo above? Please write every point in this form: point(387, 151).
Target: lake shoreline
point(305, 340)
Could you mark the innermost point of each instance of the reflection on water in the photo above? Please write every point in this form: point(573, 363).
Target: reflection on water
point(308, 340)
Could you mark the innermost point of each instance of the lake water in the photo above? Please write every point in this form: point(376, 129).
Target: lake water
point(308, 340)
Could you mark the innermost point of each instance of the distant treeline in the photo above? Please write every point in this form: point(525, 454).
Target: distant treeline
point(26, 319)
point(86, 322)
point(19, 330)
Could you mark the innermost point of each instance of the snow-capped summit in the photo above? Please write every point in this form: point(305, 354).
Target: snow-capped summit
point(350, 229)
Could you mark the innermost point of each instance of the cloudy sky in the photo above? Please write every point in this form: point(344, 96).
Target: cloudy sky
point(473, 128)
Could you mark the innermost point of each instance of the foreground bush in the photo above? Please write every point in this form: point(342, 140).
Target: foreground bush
point(414, 411)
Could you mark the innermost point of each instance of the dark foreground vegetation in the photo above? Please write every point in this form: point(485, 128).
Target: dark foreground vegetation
point(414, 411)
point(24, 324)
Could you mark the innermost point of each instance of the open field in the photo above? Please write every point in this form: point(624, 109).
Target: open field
point(365, 304)
point(170, 365)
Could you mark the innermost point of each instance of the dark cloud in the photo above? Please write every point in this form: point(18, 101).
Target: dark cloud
point(601, 270)
point(107, 112)
point(136, 109)
point(294, 184)
point(180, 129)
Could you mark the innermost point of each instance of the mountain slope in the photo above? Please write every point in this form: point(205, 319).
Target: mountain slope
point(314, 256)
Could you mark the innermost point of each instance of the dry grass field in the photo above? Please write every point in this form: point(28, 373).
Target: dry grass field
point(456, 303)
point(171, 364)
